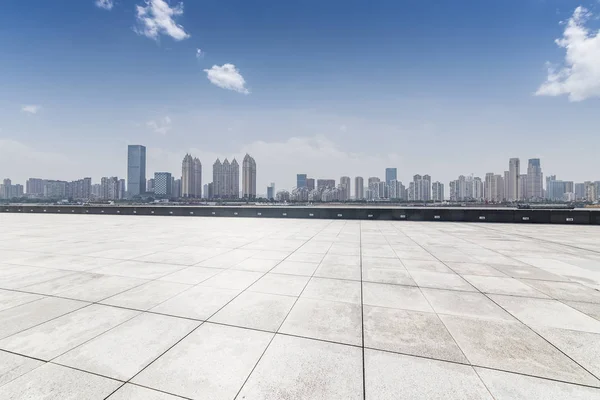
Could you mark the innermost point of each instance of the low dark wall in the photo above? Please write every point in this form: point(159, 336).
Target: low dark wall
point(587, 217)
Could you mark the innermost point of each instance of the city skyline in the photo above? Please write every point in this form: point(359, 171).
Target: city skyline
point(462, 90)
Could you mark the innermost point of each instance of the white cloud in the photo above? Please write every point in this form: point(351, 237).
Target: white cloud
point(227, 77)
point(31, 108)
point(105, 4)
point(158, 18)
point(199, 53)
point(161, 126)
point(579, 76)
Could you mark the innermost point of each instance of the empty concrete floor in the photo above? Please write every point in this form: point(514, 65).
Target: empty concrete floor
point(159, 308)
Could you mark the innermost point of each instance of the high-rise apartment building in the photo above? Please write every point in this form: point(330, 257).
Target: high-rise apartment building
point(535, 179)
point(136, 170)
point(80, 189)
point(580, 191)
point(323, 184)
point(34, 187)
point(359, 188)
point(557, 190)
point(176, 188)
point(437, 191)
point(249, 177)
point(191, 177)
point(391, 174)
point(300, 180)
point(150, 185)
point(514, 174)
point(523, 192)
point(345, 188)
point(55, 189)
point(163, 183)
point(109, 188)
point(420, 188)
point(310, 184)
point(226, 179)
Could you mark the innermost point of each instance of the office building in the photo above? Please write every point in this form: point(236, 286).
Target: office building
point(437, 191)
point(271, 191)
point(211, 191)
point(345, 188)
point(301, 180)
point(580, 191)
point(150, 185)
point(226, 179)
point(163, 184)
point(359, 189)
point(136, 170)
point(391, 174)
point(191, 177)
point(310, 184)
point(523, 187)
point(249, 177)
point(514, 175)
point(535, 179)
point(122, 189)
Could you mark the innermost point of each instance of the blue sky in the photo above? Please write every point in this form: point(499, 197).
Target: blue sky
point(328, 88)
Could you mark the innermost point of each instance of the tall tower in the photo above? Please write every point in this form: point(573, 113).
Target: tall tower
point(249, 177)
point(187, 176)
point(359, 188)
point(514, 174)
point(197, 178)
point(391, 174)
point(136, 170)
point(345, 184)
point(535, 179)
point(234, 180)
point(218, 179)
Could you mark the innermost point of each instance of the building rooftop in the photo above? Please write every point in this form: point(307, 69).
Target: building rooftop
point(164, 308)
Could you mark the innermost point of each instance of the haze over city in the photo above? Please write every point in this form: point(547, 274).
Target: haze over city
point(321, 89)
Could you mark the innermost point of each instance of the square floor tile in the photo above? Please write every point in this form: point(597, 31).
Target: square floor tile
point(409, 332)
point(138, 269)
point(468, 304)
point(337, 259)
point(511, 346)
point(134, 392)
point(211, 363)
point(54, 382)
point(256, 264)
point(396, 376)
point(25, 316)
point(10, 299)
point(191, 275)
point(338, 272)
point(298, 368)
point(199, 302)
point(441, 281)
point(395, 296)
point(583, 347)
point(326, 320)
point(333, 290)
point(289, 285)
point(256, 310)
point(51, 339)
point(13, 366)
point(377, 262)
point(547, 313)
point(305, 257)
point(422, 265)
point(566, 290)
point(232, 279)
point(398, 276)
point(147, 295)
point(295, 268)
point(499, 285)
point(125, 350)
point(507, 386)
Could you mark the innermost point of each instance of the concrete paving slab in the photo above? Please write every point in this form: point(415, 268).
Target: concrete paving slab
point(146, 296)
point(287, 285)
point(333, 290)
point(211, 363)
point(395, 296)
point(198, 302)
point(10, 299)
point(134, 392)
point(500, 285)
point(468, 304)
point(440, 280)
point(13, 366)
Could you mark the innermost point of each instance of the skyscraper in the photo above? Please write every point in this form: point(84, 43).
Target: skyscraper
point(191, 177)
point(271, 191)
point(300, 180)
point(437, 191)
point(391, 174)
point(535, 179)
point(249, 177)
point(345, 186)
point(514, 174)
point(136, 170)
point(359, 189)
point(162, 183)
point(226, 179)
point(420, 188)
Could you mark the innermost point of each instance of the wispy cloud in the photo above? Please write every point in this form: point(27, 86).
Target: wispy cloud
point(579, 76)
point(199, 54)
point(161, 126)
point(158, 18)
point(31, 108)
point(105, 4)
point(227, 77)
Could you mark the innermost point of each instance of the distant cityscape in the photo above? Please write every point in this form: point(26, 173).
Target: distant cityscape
point(510, 186)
